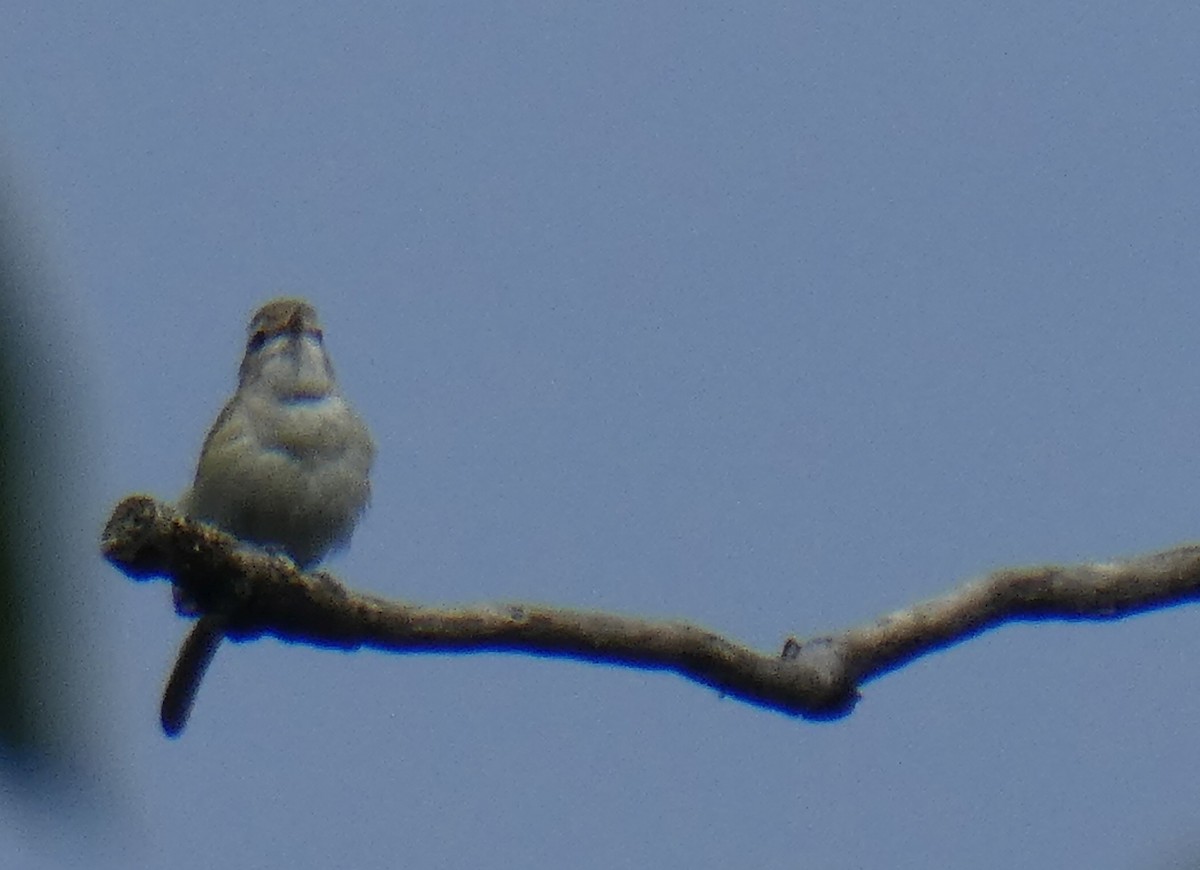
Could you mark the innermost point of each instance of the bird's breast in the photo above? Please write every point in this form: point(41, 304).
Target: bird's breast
point(310, 428)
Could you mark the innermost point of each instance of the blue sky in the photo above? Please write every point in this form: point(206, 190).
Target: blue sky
point(775, 318)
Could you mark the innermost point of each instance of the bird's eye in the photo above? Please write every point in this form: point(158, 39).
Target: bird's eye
point(317, 334)
point(257, 340)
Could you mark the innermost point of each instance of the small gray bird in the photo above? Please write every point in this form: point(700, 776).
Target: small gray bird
point(286, 464)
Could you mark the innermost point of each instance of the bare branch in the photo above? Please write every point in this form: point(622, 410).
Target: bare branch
point(244, 593)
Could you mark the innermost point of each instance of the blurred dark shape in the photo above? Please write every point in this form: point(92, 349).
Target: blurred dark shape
point(36, 738)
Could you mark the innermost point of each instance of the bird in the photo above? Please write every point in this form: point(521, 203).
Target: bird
point(286, 466)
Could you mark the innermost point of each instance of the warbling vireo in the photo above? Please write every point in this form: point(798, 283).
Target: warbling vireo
point(286, 463)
